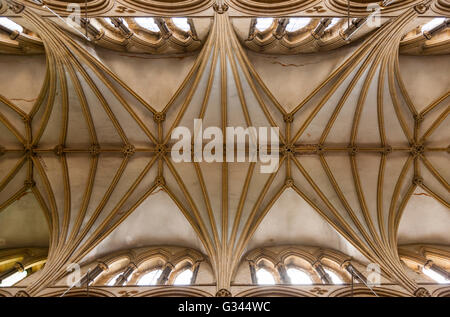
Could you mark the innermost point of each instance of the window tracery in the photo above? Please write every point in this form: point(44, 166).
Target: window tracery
point(302, 266)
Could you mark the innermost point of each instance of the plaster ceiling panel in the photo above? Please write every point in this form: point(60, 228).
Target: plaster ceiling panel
point(154, 78)
point(54, 171)
point(424, 220)
point(292, 78)
point(23, 88)
point(368, 132)
point(190, 181)
point(12, 125)
point(105, 130)
point(318, 114)
point(253, 105)
point(121, 112)
point(394, 165)
point(50, 131)
point(292, 220)
point(212, 177)
point(395, 136)
point(23, 224)
point(425, 77)
point(367, 167)
point(7, 138)
point(194, 107)
point(235, 112)
point(79, 183)
point(340, 168)
point(118, 200)
point(213, 112)
point(78, 133)
point(157, 221)
point(237, 173)
point(107, 169)
point(437, 130)
point(259, 183)
point(434, 172)
point(14, 171)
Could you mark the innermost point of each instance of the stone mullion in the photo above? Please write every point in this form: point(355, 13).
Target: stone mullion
point(99, 269)
point(124, 276)
point(195, 269)
point(326, 279)
point(284, 278)
point(164, 277)
point(354, 272)
point(252, 267)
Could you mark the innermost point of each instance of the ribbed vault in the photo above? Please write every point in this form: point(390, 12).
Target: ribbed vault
point(356, 152)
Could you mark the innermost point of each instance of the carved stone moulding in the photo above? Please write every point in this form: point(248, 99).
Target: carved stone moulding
point(439, 6)
point(167, 7)
point(272, 7)
point(66, 7)
point(364, 7)
point(3, 7)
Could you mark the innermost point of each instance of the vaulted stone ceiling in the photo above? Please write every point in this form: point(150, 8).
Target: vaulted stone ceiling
point(85, 133)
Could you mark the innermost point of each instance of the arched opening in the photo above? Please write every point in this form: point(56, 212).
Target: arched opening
point(150, 278)
point(435, 276)
point(13, 26)
point(263, 24)
point(182, 24)
point(334, 277)
point(13, 279)
point(264, 277)
point(297, 23)
point(147, 23)
point(298, 276)
point(184, 278)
